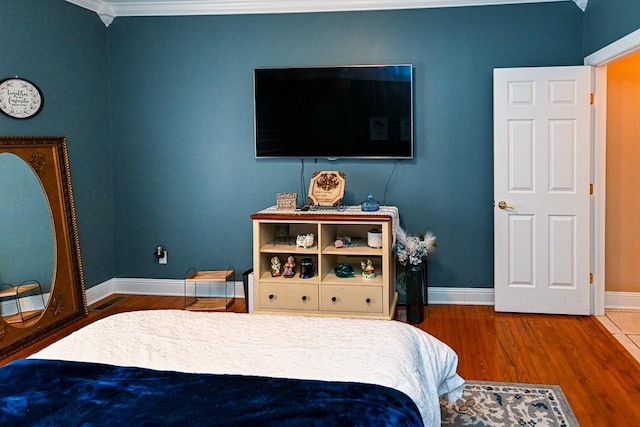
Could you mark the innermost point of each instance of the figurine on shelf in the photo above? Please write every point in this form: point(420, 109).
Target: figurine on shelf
point(342, 241)
point(368, 271)
point(289, 267)
point(344, 271)
point(304, 240)
point(276, 267)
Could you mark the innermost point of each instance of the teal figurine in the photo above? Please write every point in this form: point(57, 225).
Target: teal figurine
point(344, 270)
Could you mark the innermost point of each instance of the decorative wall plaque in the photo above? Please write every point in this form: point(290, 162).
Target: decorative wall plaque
point(327, 188)
point(20, 98)
point(286, 201)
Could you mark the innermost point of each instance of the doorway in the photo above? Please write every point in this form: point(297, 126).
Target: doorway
point(600, 60)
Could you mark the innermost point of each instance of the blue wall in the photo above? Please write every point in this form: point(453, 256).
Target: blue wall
point(184, 169)
point(606, 21)
point(159, 121)
point(63, 49)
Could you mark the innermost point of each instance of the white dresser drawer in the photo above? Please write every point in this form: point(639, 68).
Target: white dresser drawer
point(351, 298)
point(289, 296)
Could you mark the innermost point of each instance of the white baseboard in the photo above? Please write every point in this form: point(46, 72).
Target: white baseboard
point(166, 287)
point(461, 296)
point(171, 287)
point(622, 300)
point(458, 296)
point(100, 291)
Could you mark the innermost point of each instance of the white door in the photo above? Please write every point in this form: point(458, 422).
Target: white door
point(542, 140)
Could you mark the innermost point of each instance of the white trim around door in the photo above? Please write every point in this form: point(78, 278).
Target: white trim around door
point(599, 60)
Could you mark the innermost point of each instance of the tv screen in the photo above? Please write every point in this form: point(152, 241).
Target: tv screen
point(334, 112)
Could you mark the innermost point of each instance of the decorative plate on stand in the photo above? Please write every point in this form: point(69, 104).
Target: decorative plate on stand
point(327, 188)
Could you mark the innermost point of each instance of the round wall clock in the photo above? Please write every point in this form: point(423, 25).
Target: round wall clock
point(19, 98)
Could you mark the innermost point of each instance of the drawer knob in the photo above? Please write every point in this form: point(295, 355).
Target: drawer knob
point(304, 298)
point(271, 296)
point(368, 300)
point(333, 299)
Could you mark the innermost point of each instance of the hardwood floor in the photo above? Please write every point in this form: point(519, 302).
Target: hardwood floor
point(599, 378)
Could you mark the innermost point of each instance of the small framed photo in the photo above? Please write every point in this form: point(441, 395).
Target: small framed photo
point(286, 201)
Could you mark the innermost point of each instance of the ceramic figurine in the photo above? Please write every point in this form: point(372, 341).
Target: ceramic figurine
point(368, 271)
point(342, 241)
point(276, 267)
point(304, 240)
point(289, 267)
point(344, 271)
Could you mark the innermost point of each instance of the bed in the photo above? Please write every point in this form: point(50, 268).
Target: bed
point(163, 367)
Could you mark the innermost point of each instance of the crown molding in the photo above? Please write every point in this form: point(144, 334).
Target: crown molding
point(582, 4)
point(102, 8)
point(108, 10)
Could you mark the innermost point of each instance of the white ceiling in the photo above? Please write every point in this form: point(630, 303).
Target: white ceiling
point(108, 10)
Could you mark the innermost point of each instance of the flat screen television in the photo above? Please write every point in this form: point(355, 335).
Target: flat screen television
point(363, 111)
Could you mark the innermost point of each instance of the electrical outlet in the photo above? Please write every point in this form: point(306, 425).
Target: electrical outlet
point(163, 260)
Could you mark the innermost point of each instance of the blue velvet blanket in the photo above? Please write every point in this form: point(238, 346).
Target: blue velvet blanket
point(37, 392)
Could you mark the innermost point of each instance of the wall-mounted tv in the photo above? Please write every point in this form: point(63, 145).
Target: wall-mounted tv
point(362, 111)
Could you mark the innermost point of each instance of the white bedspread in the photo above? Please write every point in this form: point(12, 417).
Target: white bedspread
point(383, 352)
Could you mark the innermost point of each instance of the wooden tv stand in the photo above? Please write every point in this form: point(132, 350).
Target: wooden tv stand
point(324, 293)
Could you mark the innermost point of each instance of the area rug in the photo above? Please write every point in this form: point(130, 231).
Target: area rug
point(508, 404)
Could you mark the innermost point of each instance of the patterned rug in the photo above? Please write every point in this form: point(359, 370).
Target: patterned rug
point(508, 404)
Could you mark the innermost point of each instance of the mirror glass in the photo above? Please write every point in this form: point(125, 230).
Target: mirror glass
point(26, 247)
point(41, 281)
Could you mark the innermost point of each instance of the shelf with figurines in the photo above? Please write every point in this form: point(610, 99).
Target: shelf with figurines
point(290, 270)
point(346, 270)
point(352, 239)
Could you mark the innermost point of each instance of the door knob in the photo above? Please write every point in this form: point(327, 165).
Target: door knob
point(503, 205)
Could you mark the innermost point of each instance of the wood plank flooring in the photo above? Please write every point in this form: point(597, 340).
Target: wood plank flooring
point(599, 378)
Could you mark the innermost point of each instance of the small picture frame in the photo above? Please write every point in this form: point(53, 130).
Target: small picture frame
point(286, 201)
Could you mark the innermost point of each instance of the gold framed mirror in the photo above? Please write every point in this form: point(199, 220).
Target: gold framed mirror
point(41, 278)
